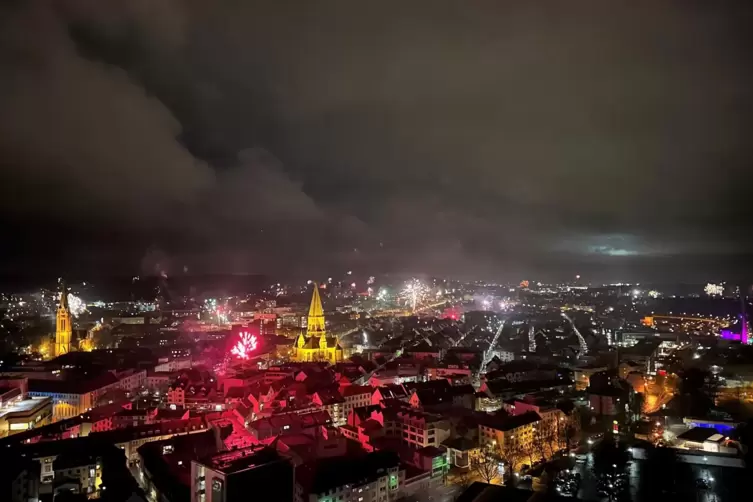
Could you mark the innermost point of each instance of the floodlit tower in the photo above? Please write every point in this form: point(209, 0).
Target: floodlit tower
point(315, 324)
point(63, 327)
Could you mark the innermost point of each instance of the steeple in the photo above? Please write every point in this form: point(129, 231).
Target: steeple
point(63, 298)
point(63, 327)
point(315, 325)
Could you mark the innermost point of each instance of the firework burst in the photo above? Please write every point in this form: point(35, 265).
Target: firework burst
point(243, 348)
point(414, 293)
point(382, 295)
point(75, 304)
point(714, 289)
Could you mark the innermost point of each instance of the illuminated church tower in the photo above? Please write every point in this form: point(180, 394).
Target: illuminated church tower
point(63, 327)
point(316, 346)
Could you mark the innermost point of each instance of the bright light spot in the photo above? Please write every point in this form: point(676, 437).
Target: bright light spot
point(414, 293)
point(714, 289)
point(244, 346)
point(75, 304)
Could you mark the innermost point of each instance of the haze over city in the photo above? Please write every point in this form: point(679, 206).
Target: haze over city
point(608, 140)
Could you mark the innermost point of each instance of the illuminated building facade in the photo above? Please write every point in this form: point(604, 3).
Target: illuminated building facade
point(63, 327)
point(503, 433)
point(416, 428)
point(316, 346)
point(73, 397)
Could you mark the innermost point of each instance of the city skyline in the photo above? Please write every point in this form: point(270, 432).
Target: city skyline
point(337, 251)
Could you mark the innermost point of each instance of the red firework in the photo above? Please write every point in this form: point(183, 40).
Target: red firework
point(244, 346)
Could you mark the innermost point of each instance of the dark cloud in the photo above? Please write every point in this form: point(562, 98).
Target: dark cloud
point(429, 136)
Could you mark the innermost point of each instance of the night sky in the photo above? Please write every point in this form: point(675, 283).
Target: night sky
point(490, 139)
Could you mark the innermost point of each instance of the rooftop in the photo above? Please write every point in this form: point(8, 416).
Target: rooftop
point(508, 423)
point(324, 475)
point(24, 407)
point(698, 434)
point(352, 390)
point(75, 386)
point(502, 385)
point(169, 461)
point(151, 430)
point(241, 460)
point(301, 420)
point(460, 444)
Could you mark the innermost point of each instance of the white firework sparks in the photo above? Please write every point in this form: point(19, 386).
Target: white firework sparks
point(382, 295)
point(414, 293)
point(714, 289)
point(75, 304)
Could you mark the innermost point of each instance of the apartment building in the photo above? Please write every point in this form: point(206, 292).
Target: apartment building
point(417, 428)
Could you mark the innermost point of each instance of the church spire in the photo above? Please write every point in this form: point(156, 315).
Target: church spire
point(315, 324)
point(63, 326)
point(63, 298)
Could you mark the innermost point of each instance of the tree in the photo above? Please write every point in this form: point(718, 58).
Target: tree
point(530, 450)
point(510, 453)
point(544, 434)
point(487, 466)
point(556, 434)
point(569, 428)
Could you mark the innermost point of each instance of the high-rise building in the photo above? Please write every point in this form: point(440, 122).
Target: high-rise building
point(63, 326)
point(316, 345)
point(252, 473)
